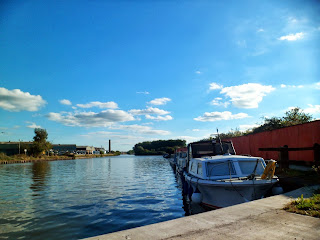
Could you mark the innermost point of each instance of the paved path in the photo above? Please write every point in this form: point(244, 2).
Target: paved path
point(260, 219)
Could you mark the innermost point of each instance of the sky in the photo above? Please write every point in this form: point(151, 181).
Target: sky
point(134, 71)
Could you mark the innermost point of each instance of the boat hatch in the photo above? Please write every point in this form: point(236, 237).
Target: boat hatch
point(220, 169)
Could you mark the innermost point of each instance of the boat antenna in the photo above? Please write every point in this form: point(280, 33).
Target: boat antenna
point(220, 142)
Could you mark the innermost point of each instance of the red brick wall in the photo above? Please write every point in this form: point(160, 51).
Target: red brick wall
point(302, 135)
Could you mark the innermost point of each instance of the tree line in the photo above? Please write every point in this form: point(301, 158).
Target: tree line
point(158, 147)
point(292, 117)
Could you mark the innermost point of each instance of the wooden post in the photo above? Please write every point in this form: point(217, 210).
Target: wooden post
point(316, 154)
point(284, 157)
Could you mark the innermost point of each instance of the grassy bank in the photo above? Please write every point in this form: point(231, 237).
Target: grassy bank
point(306, 206)
point(21, 158)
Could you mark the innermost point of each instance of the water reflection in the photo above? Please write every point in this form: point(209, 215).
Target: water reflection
point(40, 170)
point(87, 197)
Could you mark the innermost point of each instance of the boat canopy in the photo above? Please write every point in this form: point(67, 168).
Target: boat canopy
point(211, 148)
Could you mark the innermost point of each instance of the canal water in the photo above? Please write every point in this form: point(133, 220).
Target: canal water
point(82, 198)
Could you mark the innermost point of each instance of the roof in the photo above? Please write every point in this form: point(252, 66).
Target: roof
point(226, 157)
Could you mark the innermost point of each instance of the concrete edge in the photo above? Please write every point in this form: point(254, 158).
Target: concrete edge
point(208, 220)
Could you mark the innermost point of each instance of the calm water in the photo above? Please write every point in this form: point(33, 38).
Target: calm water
point(86, 197)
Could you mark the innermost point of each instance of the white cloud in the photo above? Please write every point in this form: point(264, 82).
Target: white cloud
point(33, 125)
point(188, 138)
point(291, 86)
point(214, 86)
point(247, 95)
point(246, 127)
point(317, 85)
point(159, 118)
point(15, 100)
point(145, 92)
point(198, 72)
point(160, 101)
point(312, 109)
point(260, 30)
point(217, 102)
point(195, 130)
point(99, 133)
point(216, 116)
point(242, 43)
point(140, 129)
point(65, 102)
point(112, 105)
point(292, 20)
point(91, 119)
point(149, 110)
point(292, 37)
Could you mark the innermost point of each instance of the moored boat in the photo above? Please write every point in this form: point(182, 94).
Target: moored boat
point(181, 160)
point(218, 178)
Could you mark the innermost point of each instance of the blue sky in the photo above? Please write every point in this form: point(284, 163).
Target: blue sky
point(133, 71)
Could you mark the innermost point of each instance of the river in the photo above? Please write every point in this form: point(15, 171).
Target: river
point(82, 198)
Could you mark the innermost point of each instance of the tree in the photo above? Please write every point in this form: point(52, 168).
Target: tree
point(269, 124)
point(40, 143)
point(158, 147)
point(295, 116)
point(41, 135)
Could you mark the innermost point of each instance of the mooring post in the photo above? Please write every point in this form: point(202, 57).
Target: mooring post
point(284, 157)
point(316, 154)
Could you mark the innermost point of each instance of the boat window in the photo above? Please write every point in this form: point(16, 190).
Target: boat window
point(247, 167)
point(220, 169)
point(183, 154)
point(199, 169)
point(193, 167)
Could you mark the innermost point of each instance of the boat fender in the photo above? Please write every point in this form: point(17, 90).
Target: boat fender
point(196, 196)
point(276, 190)
point(268, 172)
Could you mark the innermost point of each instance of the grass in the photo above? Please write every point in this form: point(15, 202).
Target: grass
point(306, 206)
point(21, 158)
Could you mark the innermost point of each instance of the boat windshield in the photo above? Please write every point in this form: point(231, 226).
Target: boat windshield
point(220, 169)
point(211, 148)
point(247, 167)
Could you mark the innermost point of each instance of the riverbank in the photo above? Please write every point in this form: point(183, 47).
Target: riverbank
point(260, 219)
point(21, 158)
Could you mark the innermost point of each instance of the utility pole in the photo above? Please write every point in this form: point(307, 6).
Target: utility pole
point(19, 145)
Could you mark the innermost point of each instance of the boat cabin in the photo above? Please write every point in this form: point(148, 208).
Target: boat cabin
point(210, 148)
point(226, 167)
point(181, 155)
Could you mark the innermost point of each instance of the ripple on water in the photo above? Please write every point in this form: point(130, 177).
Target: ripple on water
point(86, 197)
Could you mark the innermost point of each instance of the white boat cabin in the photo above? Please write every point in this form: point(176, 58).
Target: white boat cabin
point(226, 167)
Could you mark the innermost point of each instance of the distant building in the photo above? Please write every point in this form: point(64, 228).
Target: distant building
point(100, 150)
point(12, 148)
point(64, 148)
point(85, 150)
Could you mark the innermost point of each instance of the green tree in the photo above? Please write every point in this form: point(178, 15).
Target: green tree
point(268, 125)
point(158, 147)
point(295, 116)
point(40, 143)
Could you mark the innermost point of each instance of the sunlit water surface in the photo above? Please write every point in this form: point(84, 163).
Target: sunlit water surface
point(87, 197)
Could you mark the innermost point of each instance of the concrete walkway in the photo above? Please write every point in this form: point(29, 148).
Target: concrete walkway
point(260, 219)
